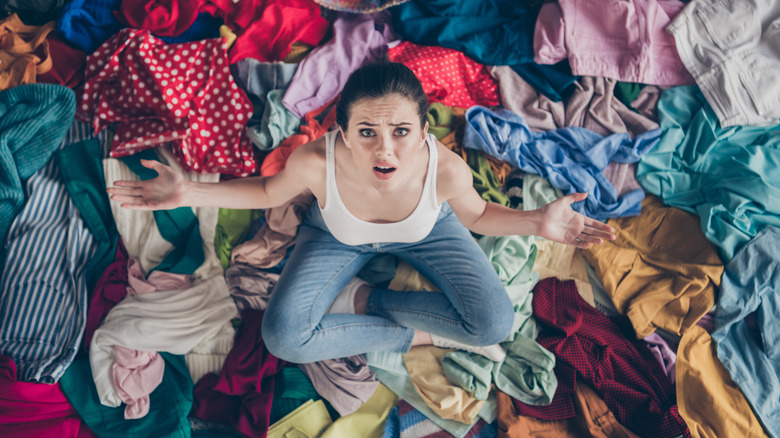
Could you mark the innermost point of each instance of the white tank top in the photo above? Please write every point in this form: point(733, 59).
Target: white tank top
point(350, 230)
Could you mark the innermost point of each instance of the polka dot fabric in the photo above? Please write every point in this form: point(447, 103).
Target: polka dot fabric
point(447, 75)
point(181, 93)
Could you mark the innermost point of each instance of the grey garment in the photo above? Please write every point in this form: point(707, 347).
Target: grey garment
point(249, 286)
point(276, 124)
point(257, 78)
point(592, 105)
point(346, 383)
point(732, 49)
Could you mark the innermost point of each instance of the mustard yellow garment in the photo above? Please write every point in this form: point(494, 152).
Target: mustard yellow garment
point(564, 262)
point(407, 278)
point(368, 421)
point(308, 421)
point(451, 402)
point(661, 271)
point(710, 402)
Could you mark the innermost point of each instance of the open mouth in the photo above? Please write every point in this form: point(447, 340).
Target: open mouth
point(384, 169)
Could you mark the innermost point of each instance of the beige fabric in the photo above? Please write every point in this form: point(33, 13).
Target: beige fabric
point(451, 402)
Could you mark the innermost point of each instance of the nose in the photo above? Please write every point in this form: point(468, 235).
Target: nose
point(384, 145)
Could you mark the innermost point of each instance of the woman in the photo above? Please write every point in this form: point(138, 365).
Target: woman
point(382, 185)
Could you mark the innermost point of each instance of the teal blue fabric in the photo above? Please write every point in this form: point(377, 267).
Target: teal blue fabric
point(276, 124)
point(178, 226)
point(729, 177)
point(34, 119)
point(170, 403)
point(82, 173)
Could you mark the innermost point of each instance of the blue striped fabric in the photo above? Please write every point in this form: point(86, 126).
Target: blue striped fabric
point(44, 296)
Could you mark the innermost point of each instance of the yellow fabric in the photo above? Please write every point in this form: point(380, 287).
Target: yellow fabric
point(407, 278)
point(228, 35)
point(451, 402)
point(308, 421)
point(24, 52)
point(564, 262)
point(710, 402)
point(368, 421)
point(298, 51)
point(660, 271)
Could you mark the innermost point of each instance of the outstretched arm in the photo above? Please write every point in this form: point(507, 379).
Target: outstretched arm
point(556, 221)
point(169, 190)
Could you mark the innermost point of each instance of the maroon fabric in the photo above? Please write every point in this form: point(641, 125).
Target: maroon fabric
point(620, 368)
point(241, 394)
point(67, 64)
point(110, 289)
point(35, 409)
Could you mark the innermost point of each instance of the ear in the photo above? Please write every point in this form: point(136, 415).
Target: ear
point(344, 138)
point(425, 130)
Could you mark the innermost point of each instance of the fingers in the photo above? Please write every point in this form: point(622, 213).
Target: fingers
point(596, 228)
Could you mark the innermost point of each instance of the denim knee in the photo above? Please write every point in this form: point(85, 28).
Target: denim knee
point(282, 340)
point(492, 326)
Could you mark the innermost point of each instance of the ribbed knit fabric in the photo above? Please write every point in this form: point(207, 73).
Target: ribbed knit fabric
point(33, 121)
point(209, 355)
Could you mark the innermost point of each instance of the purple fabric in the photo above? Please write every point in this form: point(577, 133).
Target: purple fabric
point(358, 39)
point(663, 354)
point(110, 289)
point(346, 383)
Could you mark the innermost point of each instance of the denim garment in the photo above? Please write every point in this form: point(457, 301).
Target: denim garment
point(474, 307)
point(751, 285)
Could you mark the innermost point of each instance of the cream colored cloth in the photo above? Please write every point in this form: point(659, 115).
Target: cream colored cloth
point(139, 231)
point(710, 402)
point(451, 402)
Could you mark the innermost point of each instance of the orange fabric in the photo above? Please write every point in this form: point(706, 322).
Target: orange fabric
point(311, 130)
point(24, 52)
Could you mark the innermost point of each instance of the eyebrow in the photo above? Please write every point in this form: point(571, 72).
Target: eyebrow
point(391, 124)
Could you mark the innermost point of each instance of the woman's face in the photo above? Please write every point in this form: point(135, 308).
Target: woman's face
point(386, 139)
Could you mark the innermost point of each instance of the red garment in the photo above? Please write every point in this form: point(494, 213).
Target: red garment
point(447, 75)
point(267, 28)
point(241, 394)
point(110, 289)
point(311, 129)
point(67, 64)
point(180, 93)
point(35, 409)
point(621, 369)
point(161, 17)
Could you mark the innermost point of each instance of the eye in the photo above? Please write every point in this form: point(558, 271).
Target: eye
point(401, 132)
point(366, 133)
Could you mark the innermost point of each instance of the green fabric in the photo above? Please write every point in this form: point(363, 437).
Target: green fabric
point(169, 403)
point(441, 120)
point(34, 119)
point(232, 229)
point(485, 180)
point(380, 270)
point(627, 92)
point(277, 122)
point(472, 372)
point(292, 388)
point(82, 172)
point(729, 177)
point(178, 226)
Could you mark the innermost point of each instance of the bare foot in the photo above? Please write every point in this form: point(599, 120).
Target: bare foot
point(361, 299)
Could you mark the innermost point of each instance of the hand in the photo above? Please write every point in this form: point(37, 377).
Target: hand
point(560, 223)
point(164, 192)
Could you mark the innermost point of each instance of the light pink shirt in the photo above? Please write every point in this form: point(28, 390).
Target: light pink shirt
point(619, 39)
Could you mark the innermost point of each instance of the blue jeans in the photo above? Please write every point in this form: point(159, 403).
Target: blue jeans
point(473, 307)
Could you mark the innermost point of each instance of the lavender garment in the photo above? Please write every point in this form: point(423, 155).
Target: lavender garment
point(663, 354)
point(358, 39)
point(346, 383)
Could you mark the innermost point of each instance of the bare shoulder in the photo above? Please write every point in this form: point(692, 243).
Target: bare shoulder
point(308, 161)
point(453, 174)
